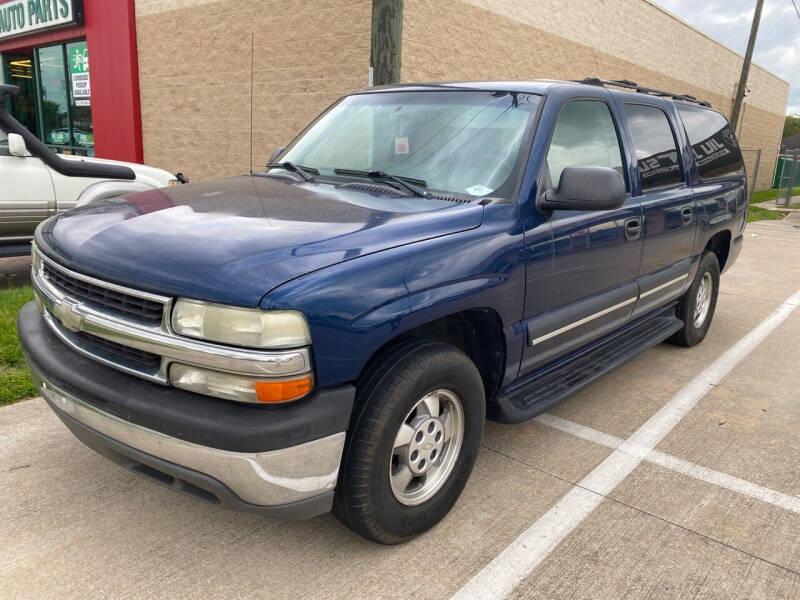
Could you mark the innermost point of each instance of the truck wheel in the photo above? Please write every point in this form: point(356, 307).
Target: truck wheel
point(412, 443)
point(696, 307)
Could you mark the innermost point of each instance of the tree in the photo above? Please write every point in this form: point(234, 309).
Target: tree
point(791, 126)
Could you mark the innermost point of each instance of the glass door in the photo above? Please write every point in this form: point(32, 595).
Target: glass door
point(80, 97)
point(64, 98)
point(53, 101)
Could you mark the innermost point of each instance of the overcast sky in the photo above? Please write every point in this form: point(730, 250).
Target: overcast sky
point(778, 42)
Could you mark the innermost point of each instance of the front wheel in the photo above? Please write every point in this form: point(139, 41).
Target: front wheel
point(696, 307)
point(413, 441)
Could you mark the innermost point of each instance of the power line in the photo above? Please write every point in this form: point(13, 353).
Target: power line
point(797, 10)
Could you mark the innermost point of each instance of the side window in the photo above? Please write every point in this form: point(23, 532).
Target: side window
point(585, 136)
point(656, 152)
point(715, 148)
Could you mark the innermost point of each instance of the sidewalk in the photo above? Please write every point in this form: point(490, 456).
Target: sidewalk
point(770, 205)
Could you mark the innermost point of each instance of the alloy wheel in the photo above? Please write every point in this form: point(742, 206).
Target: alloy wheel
point(426, 447)
point(703, 300)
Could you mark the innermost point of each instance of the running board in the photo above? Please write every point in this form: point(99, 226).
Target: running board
point(555, 382)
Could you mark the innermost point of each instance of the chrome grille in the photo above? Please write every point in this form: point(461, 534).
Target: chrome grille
point(129, 330)
point(136, 359)
point(146, 311)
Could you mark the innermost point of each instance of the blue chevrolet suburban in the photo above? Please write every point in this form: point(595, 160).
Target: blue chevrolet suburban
point(332, 332)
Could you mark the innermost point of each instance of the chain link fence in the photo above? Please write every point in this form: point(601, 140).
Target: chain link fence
point(787, 174)
point(752, 161)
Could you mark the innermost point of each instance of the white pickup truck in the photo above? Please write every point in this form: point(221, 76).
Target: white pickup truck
point(36, 183)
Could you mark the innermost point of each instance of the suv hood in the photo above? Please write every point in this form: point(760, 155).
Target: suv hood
point(233, 240)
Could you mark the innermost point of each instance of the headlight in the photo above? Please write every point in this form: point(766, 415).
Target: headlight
point(249, 327)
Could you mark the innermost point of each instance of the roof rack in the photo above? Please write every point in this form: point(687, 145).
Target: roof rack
point(632, 85)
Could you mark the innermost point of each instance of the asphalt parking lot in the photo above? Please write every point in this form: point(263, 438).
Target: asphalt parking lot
point(678, 475)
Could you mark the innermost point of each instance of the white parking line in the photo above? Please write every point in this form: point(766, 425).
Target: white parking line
point(718, 478)
point(511, 566)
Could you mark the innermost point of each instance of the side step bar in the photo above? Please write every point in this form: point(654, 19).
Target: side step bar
point(555, 382)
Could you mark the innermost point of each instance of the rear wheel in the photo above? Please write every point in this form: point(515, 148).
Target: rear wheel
point(696, 307)
point(413, 441)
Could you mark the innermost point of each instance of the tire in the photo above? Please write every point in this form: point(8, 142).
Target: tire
point(695, 328)
point(371, 496)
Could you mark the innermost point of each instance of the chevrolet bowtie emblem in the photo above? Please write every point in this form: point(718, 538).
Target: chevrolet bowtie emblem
point(68, 314)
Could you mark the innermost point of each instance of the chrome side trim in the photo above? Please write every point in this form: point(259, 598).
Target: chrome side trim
point(580, 322)
point(663, 285)
point(263, 478)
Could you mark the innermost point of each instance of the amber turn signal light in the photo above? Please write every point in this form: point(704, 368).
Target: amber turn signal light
point(282, 391)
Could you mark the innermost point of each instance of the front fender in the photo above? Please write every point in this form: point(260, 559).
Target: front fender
point(357, 306)
point(457, 295)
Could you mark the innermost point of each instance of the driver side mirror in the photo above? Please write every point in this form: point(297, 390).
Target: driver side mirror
point(16, 145)
point(585, 188)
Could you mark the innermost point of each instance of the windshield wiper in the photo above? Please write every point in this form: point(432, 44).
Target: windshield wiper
point(407, 183)
point(304, 172)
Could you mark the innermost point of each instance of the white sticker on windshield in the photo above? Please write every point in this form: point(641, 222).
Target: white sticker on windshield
point(401, 145)
point(478, 190)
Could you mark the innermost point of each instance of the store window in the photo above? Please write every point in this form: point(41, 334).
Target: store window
point(65, 112)
point(18, 68)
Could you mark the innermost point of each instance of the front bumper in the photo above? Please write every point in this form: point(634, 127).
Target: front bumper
point(282, 462)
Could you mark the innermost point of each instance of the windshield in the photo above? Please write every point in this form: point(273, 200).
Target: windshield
point(462, 142)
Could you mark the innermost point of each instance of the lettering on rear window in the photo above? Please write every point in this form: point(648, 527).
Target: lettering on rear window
point(716, 151)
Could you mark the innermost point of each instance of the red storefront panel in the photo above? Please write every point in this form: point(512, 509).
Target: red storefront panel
point(110, 32)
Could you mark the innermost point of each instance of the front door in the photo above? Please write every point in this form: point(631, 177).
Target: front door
point(595, 254)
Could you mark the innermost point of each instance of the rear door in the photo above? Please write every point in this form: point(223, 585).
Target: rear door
point(595, 254)
point(720, 186)
point(668, 204)
point(26, 194)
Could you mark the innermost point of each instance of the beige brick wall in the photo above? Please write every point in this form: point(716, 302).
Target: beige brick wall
point(195, 65)
point(571, 39)
point(195, 74)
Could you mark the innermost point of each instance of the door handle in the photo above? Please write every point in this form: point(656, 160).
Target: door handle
point(686, 215)
point(633, 228)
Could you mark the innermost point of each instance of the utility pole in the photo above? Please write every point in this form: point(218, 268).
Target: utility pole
point(748, 56)
point(387, 41)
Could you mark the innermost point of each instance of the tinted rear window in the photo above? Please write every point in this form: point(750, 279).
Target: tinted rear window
point(716, 150)
point(656, 153)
